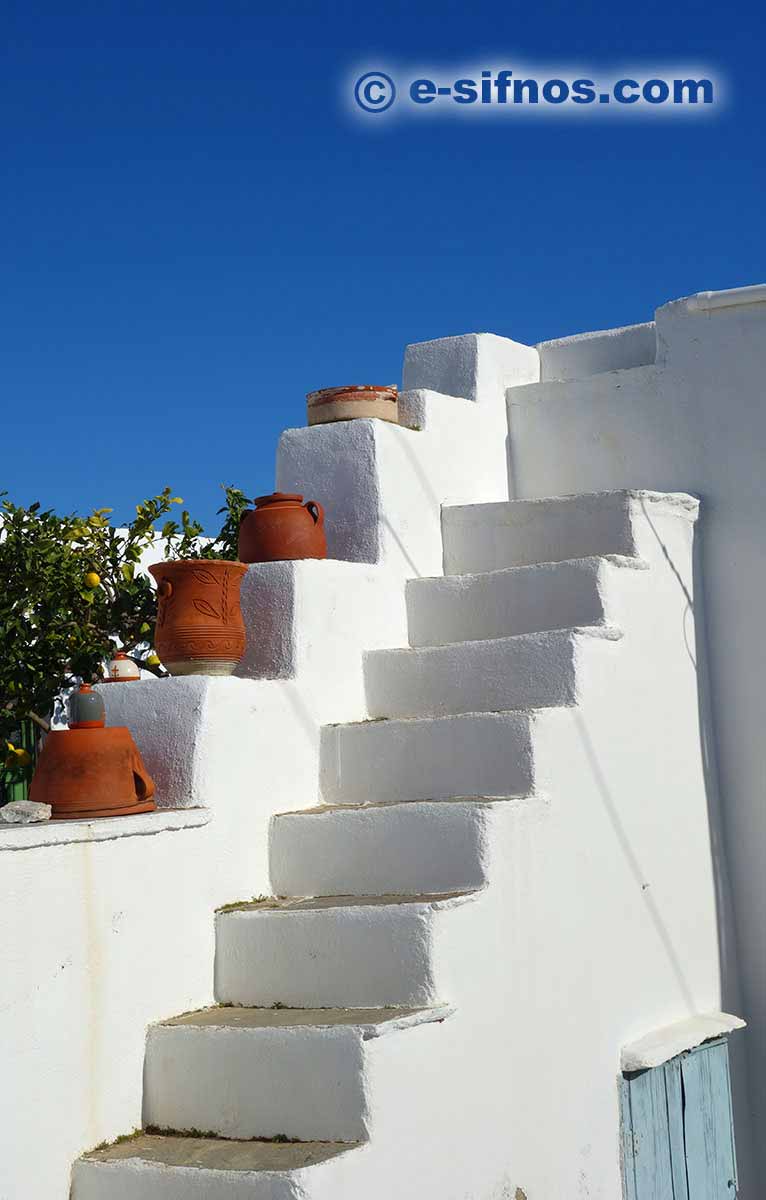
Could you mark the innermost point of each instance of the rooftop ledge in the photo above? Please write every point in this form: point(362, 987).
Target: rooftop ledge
point(102, 829)
point(705, 301)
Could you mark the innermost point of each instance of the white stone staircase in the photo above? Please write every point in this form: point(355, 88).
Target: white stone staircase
point(414, 1010)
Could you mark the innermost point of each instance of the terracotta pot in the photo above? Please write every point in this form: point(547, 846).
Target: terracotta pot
point(86, 709)
point(346, 403)
point(199, 630)
point(282, 527)
point(91, 773)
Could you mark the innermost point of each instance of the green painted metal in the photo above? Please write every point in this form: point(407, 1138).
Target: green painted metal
point(11, 786)
point(678, 1129)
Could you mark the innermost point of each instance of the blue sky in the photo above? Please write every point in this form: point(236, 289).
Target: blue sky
point(195, 233)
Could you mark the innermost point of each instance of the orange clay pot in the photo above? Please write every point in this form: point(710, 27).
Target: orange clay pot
point(282, 527)
point(347, 403)
point(199, 630)
point(92, 773)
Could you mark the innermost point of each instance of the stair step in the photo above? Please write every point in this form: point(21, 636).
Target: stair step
point(474, 754)
point(514, 600)
point(160, 1167)
point(531, 670)
point(254, 1072)
point(488, 537)
point(439, 845)
point(333, 952)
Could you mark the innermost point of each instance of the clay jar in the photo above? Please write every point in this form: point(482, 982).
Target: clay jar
point(282, 527)
point(85, 773)
point(351, 402)
point(199, 629)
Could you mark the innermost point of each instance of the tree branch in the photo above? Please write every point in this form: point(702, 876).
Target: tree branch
point(44, 725)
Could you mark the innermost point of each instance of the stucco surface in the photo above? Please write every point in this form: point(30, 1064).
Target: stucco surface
point(694, 420)
point(570, 897)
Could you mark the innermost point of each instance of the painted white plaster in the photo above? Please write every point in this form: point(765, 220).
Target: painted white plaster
point(386, 509)
point(339, 954)
point(312, 1072)
point(530, 670)
point(663, 1044)
point(378, 849)
point(476, 754)
point(64, 833)
point(382, 485)
point(592, 915)
point(118, 929)
point(695, 420)
point(475, 365)
point(100, 937)
point(497, 604)
point(553, 529)
point(591, 353)
point(613, 854)
point(731, 297)
point(620, 862)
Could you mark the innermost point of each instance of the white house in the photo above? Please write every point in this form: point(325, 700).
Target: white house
point(481, 817)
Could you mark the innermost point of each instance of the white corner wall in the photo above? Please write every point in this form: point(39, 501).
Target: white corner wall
point(108, 926)
point(99, 938)
point(105, 935)
point(695, 421)
point(383, 485)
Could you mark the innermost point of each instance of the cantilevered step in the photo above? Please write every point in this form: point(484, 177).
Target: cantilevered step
point(255, 1072)
point(498, 604)
point(476, 754)
point(153, 1167)
point(531, 670)
point(355, 850)
point(488, 537)
point(364, 951)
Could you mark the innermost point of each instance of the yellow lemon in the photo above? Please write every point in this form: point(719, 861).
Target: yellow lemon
point(17, 756)
point(92, 579)
point(153, 660)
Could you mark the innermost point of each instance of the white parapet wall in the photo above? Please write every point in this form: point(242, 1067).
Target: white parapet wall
point(105, 926)
point(108, 926)
point(694, 420)
point(383, 485)
point(593, 353)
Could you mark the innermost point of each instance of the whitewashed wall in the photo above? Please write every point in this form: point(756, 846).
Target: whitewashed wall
point(694, 419)
point(107, 927)
point(103, 937)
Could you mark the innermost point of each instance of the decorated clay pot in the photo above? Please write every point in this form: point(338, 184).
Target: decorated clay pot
point(85, 773)
point(86, 709)
point(346, 403)
point(199, 630)
point(121, 669)
point(282, 527)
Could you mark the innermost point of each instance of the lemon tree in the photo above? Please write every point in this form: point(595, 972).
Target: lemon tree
point(72, 588)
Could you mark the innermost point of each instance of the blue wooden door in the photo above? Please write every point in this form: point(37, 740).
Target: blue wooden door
point(677, 1128)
